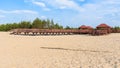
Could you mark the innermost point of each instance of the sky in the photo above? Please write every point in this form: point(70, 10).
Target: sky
point(73, 13)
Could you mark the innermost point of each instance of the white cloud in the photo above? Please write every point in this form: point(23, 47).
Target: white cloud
point(58, 4)
point(41, 4)
point(93, 12)
point(64, 4)
point(63, 7)
point(106, 11)
point(19, 11)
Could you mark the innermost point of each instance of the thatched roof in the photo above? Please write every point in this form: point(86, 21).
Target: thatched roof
point(103, 26)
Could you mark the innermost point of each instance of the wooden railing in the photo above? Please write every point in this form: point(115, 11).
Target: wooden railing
point(59, 31)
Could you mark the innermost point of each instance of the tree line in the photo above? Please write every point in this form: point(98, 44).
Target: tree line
point(37, 23)
point(116, 27)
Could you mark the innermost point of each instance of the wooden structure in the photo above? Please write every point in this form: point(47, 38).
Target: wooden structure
point(101, 29)
point(85, 29)
point(115, 30)
point(44, 31)
point(104, 27)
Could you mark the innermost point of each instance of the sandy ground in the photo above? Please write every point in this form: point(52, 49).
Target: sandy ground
point(66, 51)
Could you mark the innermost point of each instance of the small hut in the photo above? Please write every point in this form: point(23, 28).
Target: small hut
point(104, 27)
point(90, 29)
point(85, 29)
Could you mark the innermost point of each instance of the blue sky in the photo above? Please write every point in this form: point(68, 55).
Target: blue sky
point(65, 12)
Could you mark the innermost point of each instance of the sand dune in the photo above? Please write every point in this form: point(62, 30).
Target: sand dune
point(65, 51)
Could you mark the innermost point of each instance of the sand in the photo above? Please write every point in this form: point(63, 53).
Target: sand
point(65, 51)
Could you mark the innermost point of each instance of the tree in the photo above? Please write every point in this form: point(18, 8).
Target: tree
point(2, 27)
point(37, 23)
point(8, 27)
point(57, 26)
point(15, 25)
point(24, 24)
point(116, 27)
point(48, 24)
point(44, 24)
point(60, 27)
point(67, 27)
point(52, 24)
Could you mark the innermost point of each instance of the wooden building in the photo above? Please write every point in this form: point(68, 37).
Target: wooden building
point(102, 29)
point(85, 29)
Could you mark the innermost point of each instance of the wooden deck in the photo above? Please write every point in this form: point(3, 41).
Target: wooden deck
point(58, 32)
point(49, 31)
point(102, 29)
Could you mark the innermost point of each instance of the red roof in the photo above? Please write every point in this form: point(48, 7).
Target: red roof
point(89, 27)
point(85, 27)
point(103, 26)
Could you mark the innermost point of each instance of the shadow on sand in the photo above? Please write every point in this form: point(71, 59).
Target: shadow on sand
point(53, 48)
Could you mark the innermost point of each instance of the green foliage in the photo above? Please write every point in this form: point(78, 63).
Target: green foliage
point(116, 27)
point(2, 27)
point(57, 26)
point(37, 23)
point(15, 25)
point(24, 24)
point(67, 27)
